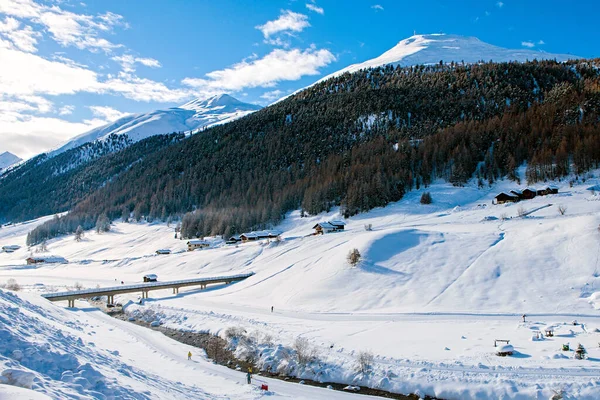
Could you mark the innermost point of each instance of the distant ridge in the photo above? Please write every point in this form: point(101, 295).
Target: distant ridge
point(192, 116)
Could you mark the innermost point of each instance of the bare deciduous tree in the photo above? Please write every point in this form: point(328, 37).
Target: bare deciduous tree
point(521, 212)
point(365, 360)
point(353, 257)
point(79, 233)
point(12, 284)
point(562, 209)
point(305, 352)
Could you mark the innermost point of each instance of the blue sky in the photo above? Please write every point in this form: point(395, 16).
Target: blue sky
point(68, 66)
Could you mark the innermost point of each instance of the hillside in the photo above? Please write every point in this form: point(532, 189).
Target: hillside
point(361, 141)
point(192, 116)
point(436, 285)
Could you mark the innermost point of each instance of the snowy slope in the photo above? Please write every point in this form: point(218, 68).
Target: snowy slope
point(431, 49)
point(84, 354)
point(7, 159)
point(192, 116)
point(436, 285)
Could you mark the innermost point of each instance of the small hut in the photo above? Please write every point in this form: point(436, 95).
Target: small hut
point(163, 251)
point(11, 248)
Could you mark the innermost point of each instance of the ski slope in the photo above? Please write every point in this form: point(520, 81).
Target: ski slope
point(436, 285)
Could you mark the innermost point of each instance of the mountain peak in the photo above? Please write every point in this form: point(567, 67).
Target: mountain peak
point(221, 100)
point(427, 49)
point(7, 159)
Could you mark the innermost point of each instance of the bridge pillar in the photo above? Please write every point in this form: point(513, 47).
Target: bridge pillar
point(111, 299)
point(175, 290)
point(71, 303)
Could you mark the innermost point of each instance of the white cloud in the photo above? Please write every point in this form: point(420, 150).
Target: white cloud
point(287, 21)
point(23, 39)
point(65, 27)
point(541, 42)
point(28, 135)
point(499, 4)
point(315, 8)
point(278, 65)
point(108, 114)
point(66, 110)
point(272, 95)
point(377, 7)
point(528, 44)
point(128, 62)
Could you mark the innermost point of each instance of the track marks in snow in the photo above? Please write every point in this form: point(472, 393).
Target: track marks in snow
point(500, 238)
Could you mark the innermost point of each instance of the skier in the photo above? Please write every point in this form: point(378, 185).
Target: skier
point(249, 377)
point(189, 355)
point(524, 317)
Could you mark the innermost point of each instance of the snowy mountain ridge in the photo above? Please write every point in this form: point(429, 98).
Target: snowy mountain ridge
point(8, 159)
point(190, 117)
point(433, 48)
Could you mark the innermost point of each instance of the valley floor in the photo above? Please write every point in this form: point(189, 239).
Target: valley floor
point(436, 285)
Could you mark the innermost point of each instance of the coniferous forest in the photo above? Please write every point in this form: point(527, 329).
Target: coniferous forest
point(357, 141)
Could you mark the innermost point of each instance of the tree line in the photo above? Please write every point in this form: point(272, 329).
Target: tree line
point(363, 140)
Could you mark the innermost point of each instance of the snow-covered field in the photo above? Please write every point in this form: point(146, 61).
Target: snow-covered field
point(436, 285)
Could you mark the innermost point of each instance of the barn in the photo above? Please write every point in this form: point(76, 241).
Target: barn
point(502, 198)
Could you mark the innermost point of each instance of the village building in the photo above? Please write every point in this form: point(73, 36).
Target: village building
point(234, 239)
point(197, 244)
point(46, 259)
point(323, 227)
point(338, 225)
point(329, 226)
point(505, 198)
point(258, 235)
point(163, 251)
point(525, 194)
point(548, 190)
point(150, 278)
point(10, 248)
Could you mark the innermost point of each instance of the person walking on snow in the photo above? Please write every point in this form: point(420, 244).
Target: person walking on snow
point(524, 317)
point(189, 355)
point(271, 308)
point(249, 377)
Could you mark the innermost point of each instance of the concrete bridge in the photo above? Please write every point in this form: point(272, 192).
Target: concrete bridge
point(144, 288)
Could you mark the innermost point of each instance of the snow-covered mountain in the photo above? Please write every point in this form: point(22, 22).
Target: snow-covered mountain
point(192, 116)
point(7, 159)
point(431, 49)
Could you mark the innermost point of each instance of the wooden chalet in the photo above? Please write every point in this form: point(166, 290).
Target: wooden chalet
point(197, 244)
point(502, 198)
point(46, 259)
point(259, 235)
point(329, 226)
point(548, 190)
point(525, 194)
point(234, 239)
point(338, 224)
point(323, 227)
